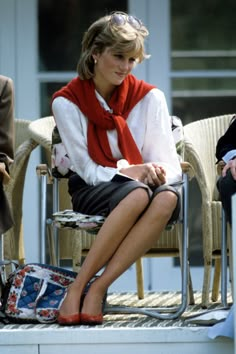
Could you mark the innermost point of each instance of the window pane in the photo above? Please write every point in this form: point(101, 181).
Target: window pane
point(61, 27)
point(204, 60)
point(212, 86)
point(191, 109)
point(203, 55)
point(203, 24)
point(46, 92)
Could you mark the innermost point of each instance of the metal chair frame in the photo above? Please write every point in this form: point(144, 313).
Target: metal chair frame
point(169, 313)
point(226, 252)
point(223, 259)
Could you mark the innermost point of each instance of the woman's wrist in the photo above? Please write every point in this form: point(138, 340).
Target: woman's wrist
point(122, 164)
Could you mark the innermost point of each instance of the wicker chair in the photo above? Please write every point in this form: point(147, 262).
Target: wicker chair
point(200, 143)
point(170, 243)
point(13, 239)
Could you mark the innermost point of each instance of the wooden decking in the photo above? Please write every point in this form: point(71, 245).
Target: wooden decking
point(127, 333)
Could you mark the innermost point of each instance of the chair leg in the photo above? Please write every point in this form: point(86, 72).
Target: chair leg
point(206, 283)
point(223, 258)
point(191, 300)
point(139, 278)
point(21, 253)
point(190, 289)
point(76, 250)
point(231, 278)
point(51, 243)
point(185, 269)
point(186, 288)
point(42, 171)
point(1, 247)
point(3, 266)
point(216, 280)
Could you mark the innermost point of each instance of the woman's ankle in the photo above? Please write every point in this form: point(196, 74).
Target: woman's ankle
point(71, 302)
point(92, 304)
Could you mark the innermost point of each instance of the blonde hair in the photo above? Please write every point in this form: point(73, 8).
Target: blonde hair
point(126, 37)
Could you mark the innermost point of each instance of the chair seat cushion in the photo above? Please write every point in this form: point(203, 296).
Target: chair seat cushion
point(71, 219)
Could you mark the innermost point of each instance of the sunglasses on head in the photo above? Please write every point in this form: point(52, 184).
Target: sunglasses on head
point(120, 19)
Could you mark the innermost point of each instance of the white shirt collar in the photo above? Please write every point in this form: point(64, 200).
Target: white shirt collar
point(103, 102)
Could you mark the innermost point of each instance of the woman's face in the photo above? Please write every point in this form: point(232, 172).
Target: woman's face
point(111, 68)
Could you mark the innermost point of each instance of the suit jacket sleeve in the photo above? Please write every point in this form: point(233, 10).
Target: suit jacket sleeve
point(227, 142)
point(6, 119)
point(6, 145)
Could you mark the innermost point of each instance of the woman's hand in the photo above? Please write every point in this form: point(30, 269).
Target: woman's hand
point(160, 174)
point(232, 166)
point(4, 176)
point(149, 173)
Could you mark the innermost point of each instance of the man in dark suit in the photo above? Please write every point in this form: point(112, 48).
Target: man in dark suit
point(226, 155)
point(6, 147)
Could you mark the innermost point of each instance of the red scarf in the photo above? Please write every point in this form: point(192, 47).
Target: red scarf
point(123, 100)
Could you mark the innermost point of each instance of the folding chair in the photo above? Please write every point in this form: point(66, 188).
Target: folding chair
point(85, 227)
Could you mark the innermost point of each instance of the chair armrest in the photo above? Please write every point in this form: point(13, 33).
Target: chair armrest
point(43, 170)
point(4, 175)
point(40, 130)
point(220, 166)
point(187, 168)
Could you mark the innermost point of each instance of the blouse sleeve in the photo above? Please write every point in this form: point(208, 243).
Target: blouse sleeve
point(7, 119)
point(72, 126)
point(159, 145)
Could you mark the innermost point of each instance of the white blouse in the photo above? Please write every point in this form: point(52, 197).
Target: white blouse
point(149, 123)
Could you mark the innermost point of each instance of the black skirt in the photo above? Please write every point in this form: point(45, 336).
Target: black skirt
point(104, 197)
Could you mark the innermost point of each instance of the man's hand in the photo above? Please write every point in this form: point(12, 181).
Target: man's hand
point(232, 166)
point(4, 176)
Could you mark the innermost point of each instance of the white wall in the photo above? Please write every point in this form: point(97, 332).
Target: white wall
point(18, 59)
point(156, 70)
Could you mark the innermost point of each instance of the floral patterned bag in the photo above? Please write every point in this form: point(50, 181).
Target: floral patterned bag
point(34, 293)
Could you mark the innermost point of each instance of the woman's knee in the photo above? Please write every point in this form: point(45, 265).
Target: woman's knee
point(138, 198)
point(166, 202)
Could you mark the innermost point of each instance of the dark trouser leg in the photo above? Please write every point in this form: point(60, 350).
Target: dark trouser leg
point(227, 187)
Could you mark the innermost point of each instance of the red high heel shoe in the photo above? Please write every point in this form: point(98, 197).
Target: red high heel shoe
point(69, 320)
point(91, 320)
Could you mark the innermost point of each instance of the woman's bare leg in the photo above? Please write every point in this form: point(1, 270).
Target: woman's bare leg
point(137, 242)
point(113, 231)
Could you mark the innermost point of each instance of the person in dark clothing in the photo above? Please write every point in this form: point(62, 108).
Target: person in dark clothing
point(226, 155)
point(6, 147)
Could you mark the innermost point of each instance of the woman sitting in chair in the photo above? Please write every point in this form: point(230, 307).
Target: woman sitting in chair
point(226, 155)
point(117, 132)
